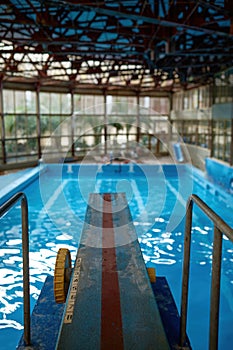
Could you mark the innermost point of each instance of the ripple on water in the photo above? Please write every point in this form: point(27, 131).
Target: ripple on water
point(163, 261)
point(8, 323)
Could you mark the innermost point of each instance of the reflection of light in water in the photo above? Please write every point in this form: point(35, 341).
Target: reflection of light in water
point(5, 323)
point(199, 230)
point(12, 260)
point(14, 242)
point(4, 252)
point(64, 237)
point(164, 261)
point(8, 276)
point(9, 300)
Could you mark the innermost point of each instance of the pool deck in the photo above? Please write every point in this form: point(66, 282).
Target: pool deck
point(13, 181)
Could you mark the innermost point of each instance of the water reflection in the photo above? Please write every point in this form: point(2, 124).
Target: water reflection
point(158, 247)
point(7, 323)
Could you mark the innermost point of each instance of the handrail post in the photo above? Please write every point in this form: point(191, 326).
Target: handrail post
point(185, 276)
point(26, 283)
point(215, 289)
point(220, 228)
point(4, 208)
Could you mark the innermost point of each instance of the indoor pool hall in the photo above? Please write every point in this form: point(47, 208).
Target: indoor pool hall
point(116, 175)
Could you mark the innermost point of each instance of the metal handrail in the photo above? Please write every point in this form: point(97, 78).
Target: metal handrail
point(220, 228)
point(4, 208)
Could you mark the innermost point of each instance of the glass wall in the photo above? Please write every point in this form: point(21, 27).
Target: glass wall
point(55, 126)
point(20, 126)
point(223, 116)
point(62, 125)
point(203, 116)
point(191, 116)
point(193, 99)
point(195, 132)
point(88, 123)
point(37, 124)
point(224, 87)
point(222, 139)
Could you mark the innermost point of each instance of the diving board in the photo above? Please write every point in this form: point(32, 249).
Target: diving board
point(110, 302)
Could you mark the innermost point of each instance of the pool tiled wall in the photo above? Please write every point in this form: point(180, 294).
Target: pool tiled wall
point(220, 173)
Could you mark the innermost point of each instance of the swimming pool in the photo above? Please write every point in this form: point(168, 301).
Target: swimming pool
point(157, 197)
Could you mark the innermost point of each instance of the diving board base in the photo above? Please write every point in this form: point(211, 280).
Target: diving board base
point(45, 320)
point(46, 317)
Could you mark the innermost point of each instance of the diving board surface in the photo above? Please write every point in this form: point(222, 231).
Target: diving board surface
point(110, 303)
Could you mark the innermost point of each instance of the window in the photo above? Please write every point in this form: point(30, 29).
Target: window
point(20, 122)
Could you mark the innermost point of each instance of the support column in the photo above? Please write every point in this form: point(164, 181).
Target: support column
point(212, 97)
point(231, 149)
point(72, 124)
point(105, 125)
point(38, 126)
point(138, 120)
point(170, 125)
point(2, 125)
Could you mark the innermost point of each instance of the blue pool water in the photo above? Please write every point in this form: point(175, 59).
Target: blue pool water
point(157, 196)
